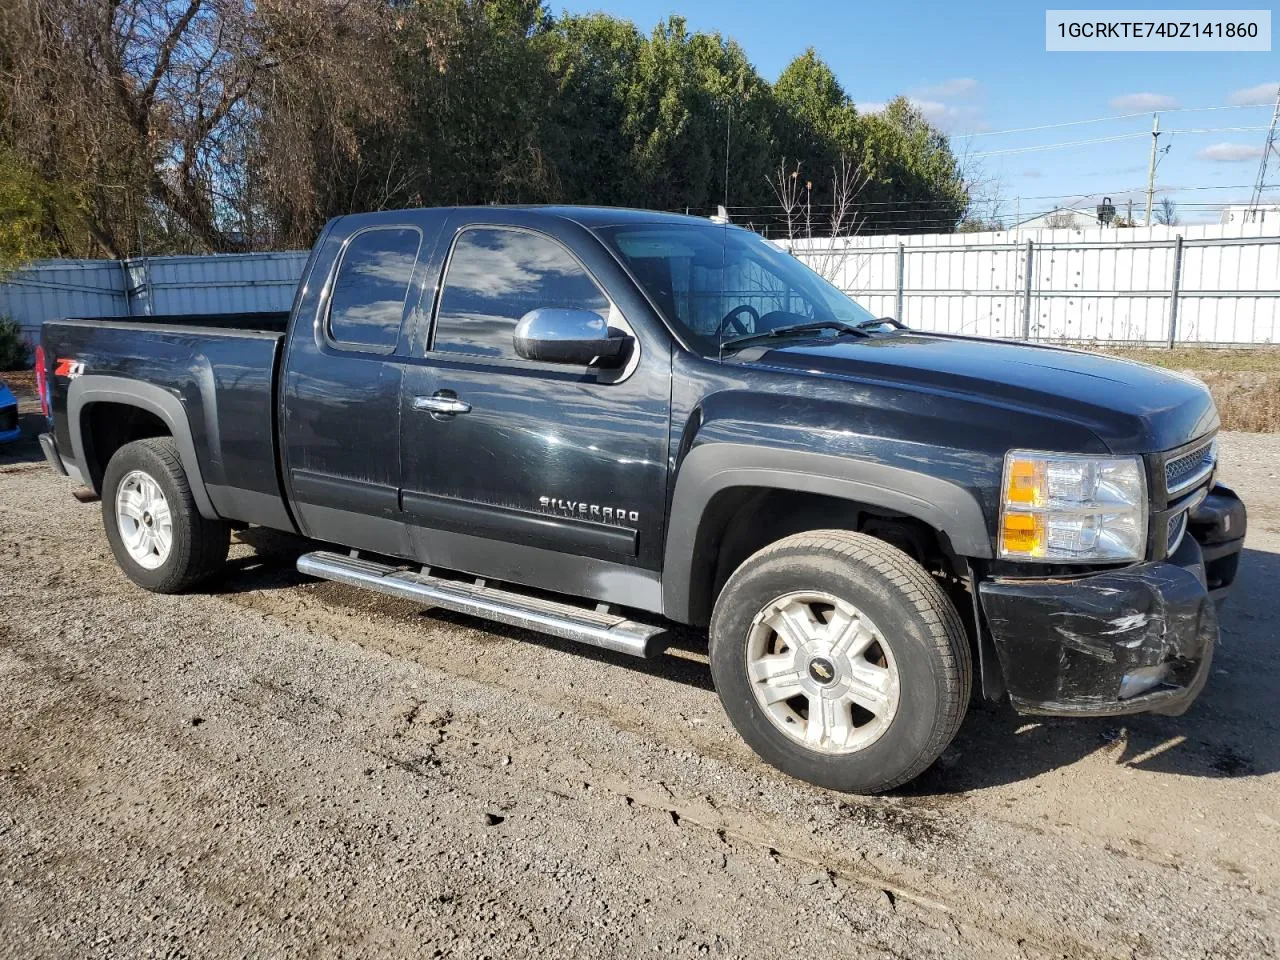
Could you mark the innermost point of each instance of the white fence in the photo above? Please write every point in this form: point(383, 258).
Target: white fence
point(1205, 284)
point(1202, 284)
point(226, 283)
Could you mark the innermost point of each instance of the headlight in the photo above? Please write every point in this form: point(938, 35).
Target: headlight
point(1061, 508)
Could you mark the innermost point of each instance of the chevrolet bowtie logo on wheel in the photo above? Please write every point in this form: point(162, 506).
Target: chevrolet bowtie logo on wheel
point(822, 670)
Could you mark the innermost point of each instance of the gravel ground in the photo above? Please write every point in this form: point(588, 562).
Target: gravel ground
point(280, 767)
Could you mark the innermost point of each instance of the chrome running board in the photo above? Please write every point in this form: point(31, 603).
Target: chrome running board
point(585, 625)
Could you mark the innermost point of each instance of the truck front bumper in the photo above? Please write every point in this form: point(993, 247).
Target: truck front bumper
point(1124, 641)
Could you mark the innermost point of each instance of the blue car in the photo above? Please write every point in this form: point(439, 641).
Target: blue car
point(9, 429)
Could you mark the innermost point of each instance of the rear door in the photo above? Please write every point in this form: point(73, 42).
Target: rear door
point(340, 393)
point(549, 475)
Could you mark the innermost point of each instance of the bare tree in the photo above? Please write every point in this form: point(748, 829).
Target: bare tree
point(168, 117)
point(1167, 213)
point(786, 187)
point(847, 183)
point(1060, 220)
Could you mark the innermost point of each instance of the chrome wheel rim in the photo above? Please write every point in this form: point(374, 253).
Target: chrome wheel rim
point(144, 519)
point(822, 672)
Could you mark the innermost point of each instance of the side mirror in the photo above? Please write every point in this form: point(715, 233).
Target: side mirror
point(566, 335)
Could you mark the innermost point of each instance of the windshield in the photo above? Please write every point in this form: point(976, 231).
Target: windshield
point(717, 283)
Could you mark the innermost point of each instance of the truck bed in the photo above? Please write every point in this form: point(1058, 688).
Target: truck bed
point(221, 368)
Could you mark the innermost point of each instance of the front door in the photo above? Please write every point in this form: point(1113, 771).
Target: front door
point(542, 474)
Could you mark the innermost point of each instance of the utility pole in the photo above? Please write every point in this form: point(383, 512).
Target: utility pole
point(1129, 216)
point(1260, 184)
point(1151, 168)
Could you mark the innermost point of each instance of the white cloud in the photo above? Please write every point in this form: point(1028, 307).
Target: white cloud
point(938, 104)
point(950, 117)
point(1143, 101)
point(956, 87)
point(1230, 152)
point(1263, 93)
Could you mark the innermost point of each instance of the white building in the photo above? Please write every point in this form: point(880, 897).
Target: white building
point(1243, 213)
point(1061, 218)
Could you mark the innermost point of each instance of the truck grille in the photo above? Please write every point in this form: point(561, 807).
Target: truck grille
point(8, 419)
point(1185, 471)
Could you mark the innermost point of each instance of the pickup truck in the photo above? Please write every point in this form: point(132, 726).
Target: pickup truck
point(598, 423)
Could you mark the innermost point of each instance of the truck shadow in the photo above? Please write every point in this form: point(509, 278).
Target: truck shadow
point(271, 566)
point(25, 449)
point(1229, 732)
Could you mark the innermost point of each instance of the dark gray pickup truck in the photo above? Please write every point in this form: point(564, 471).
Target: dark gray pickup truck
point(596, 422)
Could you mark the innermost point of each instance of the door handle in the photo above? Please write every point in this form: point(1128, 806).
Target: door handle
point(441, 403)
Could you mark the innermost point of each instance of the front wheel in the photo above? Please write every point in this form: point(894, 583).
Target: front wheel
point(156, 532)
point(840, 660)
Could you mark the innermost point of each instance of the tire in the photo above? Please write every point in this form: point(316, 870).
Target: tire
point(196, 547)
point(887, 712)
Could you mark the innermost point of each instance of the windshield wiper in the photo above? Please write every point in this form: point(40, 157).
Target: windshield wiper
point(791, 329)
point(880, 321)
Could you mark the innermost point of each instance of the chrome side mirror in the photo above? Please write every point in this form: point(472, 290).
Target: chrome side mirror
point(567, 335)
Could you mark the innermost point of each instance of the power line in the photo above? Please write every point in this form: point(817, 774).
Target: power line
point(1056, 146)
point(1216, 129)
point(1035, 148)
point(943, 204)
point(1119, 116)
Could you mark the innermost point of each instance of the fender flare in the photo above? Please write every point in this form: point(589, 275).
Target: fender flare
point(714, 467)
point(92, 388)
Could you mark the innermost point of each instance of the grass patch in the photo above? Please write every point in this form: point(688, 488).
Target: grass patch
point(1254, 360)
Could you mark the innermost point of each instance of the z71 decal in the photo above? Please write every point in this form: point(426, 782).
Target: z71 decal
point(68, 368)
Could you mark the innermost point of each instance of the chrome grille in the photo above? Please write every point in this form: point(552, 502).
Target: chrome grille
point(1184, 471)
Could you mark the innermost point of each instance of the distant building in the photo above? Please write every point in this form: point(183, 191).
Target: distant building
point(1061, 218)
point(1243, 213)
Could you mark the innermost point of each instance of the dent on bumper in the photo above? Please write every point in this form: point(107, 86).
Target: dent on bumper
point(1080, 647)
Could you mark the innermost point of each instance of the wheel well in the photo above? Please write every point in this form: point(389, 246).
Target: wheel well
point(106, 427)
point(741, 520)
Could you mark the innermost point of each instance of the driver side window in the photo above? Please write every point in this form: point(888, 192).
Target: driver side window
point(713, 293)
point(498, 274)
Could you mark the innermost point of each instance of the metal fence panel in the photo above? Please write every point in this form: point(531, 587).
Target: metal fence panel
point(226, 283)
point(63, 288)
point(221, 284)
point(1201, 283)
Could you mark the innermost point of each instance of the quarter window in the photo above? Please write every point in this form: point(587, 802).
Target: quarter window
point(496, 275)
point(370, 289)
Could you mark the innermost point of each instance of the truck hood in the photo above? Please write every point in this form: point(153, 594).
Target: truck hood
point(1130, 406)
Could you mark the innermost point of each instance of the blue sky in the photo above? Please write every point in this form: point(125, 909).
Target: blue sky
point(978, 68)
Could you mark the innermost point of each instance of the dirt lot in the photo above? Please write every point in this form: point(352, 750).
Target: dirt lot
point(279, 767)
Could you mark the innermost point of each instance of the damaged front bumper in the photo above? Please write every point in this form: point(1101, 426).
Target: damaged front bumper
point(1124, 641)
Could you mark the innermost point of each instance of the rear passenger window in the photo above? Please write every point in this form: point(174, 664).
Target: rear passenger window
point(371, 286)
point(496, 275)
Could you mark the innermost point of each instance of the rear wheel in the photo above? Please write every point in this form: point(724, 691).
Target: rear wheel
point(840, 660)
point(156, 532)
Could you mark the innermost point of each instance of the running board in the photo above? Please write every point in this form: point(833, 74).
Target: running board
point(563, 620)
